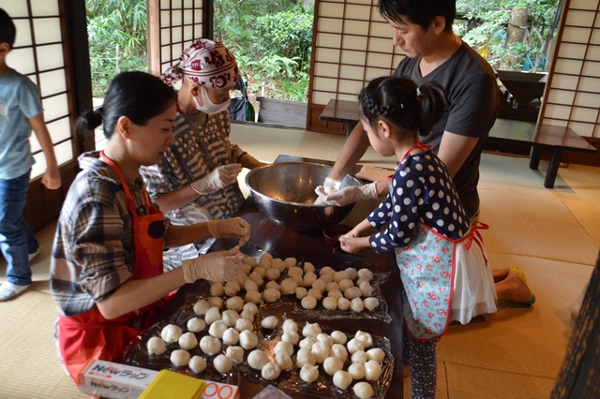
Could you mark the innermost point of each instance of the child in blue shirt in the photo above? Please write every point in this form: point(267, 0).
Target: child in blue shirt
point(20, 112)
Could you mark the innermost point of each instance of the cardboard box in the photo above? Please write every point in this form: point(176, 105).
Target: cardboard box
point(114, 380)
point(169, 384)
point(121, 381)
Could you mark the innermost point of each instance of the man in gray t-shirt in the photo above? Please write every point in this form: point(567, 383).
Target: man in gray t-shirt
point(434, 53)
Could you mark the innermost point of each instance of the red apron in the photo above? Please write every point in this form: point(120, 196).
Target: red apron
point(89, 335)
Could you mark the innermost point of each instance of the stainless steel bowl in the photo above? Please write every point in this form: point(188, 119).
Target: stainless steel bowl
point(285, 193)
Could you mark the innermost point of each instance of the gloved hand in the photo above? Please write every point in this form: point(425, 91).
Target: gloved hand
point(219, 178)
point(352, 194)
point(230, 228)
point(329, 186)
point(215, 266)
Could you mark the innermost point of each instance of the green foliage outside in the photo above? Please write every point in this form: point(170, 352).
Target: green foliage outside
point(272, 39)
point(272, 43)
point(117, 39)
point(487, 28)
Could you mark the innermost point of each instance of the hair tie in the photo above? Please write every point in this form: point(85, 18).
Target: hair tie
point(418, 93)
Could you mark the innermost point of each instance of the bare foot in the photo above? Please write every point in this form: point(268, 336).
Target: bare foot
point(512, 288)
point(500, 274)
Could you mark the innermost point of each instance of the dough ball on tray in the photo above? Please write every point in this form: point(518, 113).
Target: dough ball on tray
point(252, 297)
point(339, 351)
point(216, 289)
point(156, 346)
point(284, 361)
point(235, 303)
point(195, 324)
point(222, 364)
point(244, 324)
point(216, 302)
point(210, 345)
point(257, 359)
point(271, 295)
point(231, 336)
point(270, 371)
point(180, 357)
point(217, 329)
point(290, 336)
point(305, 356)
point(229, 317)
point(235, 353)
point(309, 373)
point(248, 340)
point(188, 341)
point(197, 364)
point(309, 302)
point(339, 337)
point(289, 325)
point(213, 314)
point(342, 379)
point(372, 370)
point(376, 354)
point(283, 348)
point(357, 305)
point(357, 371)
point(332, 364)
point(170, 333)
point(201, 306)
point(270, 322)
point(363, 390)
point(371, 303)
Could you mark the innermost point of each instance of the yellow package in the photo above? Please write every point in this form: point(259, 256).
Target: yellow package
point(169, 384)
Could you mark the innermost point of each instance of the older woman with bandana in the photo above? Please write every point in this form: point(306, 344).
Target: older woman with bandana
point(196, 181)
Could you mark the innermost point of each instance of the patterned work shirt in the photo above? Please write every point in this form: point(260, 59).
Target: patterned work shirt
point(93, 251)
point(197, 151)
point(421, 189)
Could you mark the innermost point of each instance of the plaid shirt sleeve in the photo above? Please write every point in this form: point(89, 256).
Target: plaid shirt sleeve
point(93, 250)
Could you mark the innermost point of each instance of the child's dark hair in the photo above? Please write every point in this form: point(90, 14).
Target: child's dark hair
point(8, 31)
point(399, 101)
point(136, 95)
point(420, 12)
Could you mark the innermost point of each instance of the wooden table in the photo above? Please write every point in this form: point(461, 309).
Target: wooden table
point(343, 111)
point(553, 139)
point(283, 243)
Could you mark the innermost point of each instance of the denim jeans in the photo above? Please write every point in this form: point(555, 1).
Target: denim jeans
point(16, 237)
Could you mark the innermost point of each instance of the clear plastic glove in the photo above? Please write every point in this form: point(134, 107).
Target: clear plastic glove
point(329, 186)
point(350, 194)
point(219, 178)
point(230, 228)
point(215, 266)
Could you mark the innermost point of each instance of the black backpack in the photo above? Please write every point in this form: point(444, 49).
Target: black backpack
point(240, 109)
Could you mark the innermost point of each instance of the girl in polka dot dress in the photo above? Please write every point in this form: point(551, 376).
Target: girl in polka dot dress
point(444, 271)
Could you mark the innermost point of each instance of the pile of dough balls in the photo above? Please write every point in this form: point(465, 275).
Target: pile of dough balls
point(269, 278)
point(229, 322)
point(331, 352)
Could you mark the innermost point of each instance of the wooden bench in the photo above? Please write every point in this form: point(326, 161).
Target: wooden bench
point(553, 139)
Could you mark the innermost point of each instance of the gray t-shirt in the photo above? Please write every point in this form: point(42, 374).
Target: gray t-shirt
point(471, 110)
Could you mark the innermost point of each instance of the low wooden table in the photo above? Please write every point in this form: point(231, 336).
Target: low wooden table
point(343, 111)
point(554, 139)
point(281, 243)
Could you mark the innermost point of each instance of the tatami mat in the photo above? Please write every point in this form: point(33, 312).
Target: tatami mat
point(553, 235)
point(534, 226)
point(518, 338)
point(30, 366)
point(588, 214)
point(465, 382)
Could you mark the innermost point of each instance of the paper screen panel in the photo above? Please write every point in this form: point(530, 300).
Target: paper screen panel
point(39, 54)
point(573, 89)
point(172, 26)
point(351, 45)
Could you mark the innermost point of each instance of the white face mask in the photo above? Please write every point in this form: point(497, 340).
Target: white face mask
point(209, 107)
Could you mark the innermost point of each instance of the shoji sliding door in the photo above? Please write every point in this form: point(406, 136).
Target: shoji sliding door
point(42, 53)
point(172, 26)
